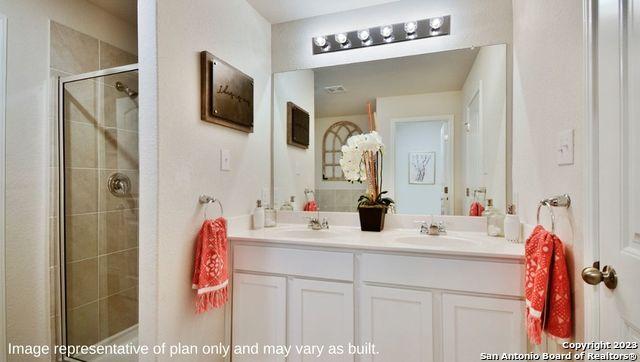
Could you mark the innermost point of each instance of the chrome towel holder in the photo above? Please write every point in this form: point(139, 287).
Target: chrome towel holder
point(206, 200)
point(556, 201)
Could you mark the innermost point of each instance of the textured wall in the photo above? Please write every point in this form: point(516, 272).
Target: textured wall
point(180, 154)
point(548, 97)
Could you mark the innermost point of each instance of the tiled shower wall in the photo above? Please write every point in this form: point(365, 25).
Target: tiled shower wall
point(102, 230)
point(338, 200)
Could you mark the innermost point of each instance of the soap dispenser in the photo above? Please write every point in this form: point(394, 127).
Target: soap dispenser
point(444, 202)
point(258, 216)
point(495, 220)
point(512, 225)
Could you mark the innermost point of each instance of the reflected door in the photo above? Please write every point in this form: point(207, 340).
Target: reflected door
point(473, 155)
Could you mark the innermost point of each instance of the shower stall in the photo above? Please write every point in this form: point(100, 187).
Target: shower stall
point(98, 208)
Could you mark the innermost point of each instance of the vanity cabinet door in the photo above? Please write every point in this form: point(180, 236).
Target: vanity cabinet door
point(321, 314)
point(473, 325)
point(259, 312)
point(398, 322)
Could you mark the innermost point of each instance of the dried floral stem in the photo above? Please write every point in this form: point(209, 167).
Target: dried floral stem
point(370, 164)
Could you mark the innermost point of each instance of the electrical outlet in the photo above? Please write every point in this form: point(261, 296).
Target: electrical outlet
point(564, 149)
point(225, 160)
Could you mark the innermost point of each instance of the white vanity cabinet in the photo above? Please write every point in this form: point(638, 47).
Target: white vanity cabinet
point(472, 325)
point(411, 306)
point(291, 296)
point(399, 322)
point(259, 311)
point(320, 313)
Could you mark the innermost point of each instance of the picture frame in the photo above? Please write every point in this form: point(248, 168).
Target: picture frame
point(297, 126)
point(226, 94)
point(422, 168)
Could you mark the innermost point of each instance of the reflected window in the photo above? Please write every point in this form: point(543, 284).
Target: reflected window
point(334, 138)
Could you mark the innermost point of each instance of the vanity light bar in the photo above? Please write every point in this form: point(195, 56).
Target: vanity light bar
point(383, 34)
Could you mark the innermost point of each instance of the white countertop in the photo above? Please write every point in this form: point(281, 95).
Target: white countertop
point(454, 243)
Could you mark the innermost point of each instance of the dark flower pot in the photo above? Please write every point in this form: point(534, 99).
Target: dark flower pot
point(372, 217)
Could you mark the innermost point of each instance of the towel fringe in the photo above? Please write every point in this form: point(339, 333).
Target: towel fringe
point(212, 299)
point(534, 329)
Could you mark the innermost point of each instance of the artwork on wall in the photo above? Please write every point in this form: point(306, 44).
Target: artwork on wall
point(227, 94)
point(297, 126)
point(422, 168)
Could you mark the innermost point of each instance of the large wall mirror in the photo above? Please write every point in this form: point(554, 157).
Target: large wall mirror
point(442, 117)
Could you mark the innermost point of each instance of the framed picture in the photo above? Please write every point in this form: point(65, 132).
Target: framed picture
point(297, 126)
point(227, 94)
point(422, 168)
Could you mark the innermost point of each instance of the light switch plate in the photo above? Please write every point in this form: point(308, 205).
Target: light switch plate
point(225, 160)
point(564, 148)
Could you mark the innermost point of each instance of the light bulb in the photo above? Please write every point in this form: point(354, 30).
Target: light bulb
point(386, 31)
point(342, 38)
point(363, 34)
point(436, 23)
point(410, 27)
point(320, 41)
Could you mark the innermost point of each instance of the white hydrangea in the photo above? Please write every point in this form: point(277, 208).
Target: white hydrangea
point(352, 164)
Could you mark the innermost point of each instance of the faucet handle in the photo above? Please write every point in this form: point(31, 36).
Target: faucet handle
point(325, 223)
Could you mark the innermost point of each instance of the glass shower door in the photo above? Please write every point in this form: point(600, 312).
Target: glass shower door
point(99, 203)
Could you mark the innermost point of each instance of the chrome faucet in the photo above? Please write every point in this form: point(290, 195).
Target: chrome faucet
point(431, 228)
point(316, 224)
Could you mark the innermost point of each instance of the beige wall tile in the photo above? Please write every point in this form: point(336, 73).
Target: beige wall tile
point(111, 56)
point(80, 101)
point(54, 283)
point(54, 242)
point(72, 51)
point(118, 272)
point(83, 324)
point(81, 282)
point(81, 145)
point(118, 230)
point(54, 178)
point(54, 324)
point(118, 312)
point(82, 237)
point(120, 149)
point(110, 202)
point(81, 188)
point(118, 109)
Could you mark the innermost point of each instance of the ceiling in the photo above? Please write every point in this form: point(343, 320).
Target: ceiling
point(427, 73)
point(126, 10)
point(281, 11)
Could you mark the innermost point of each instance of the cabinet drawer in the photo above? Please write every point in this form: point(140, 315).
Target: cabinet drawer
point(296, 262)
point(449, 274)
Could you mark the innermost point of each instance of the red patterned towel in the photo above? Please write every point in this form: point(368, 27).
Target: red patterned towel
point(547, 287)
point(476, 209)
point(311, 206)
point(210, 274)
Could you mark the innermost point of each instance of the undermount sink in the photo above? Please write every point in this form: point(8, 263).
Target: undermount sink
point(443, 241)
point(306, 234)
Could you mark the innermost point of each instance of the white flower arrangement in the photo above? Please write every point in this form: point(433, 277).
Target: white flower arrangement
point(362, 162)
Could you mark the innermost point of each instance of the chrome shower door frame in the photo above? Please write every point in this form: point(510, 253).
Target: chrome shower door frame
point(62, 297)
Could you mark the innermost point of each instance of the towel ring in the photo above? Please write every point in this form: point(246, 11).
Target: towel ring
point(206, 200)
point(556, 201)
point(553, 217)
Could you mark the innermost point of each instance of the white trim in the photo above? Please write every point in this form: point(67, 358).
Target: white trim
point(449, 118)
point(591, 219)
point(3, 88)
